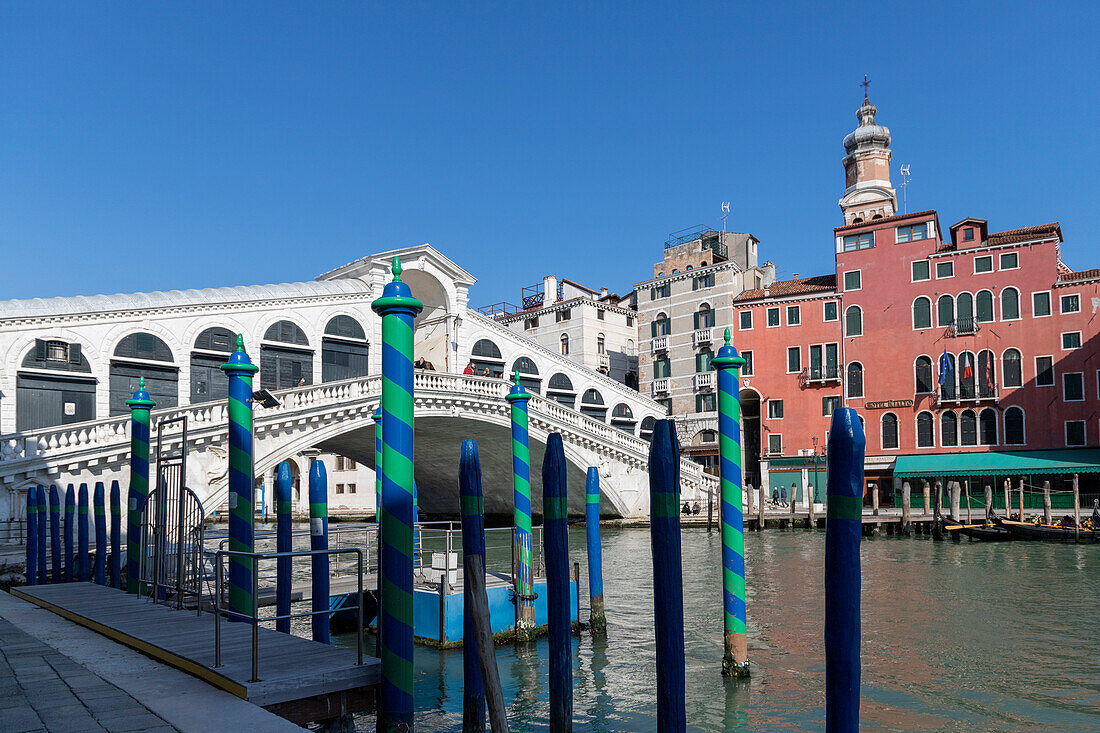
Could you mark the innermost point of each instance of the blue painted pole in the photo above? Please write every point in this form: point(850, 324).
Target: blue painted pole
point(82, 535)
point(55, 535)
point(239, 368)
point(318, 540)
point(116, 536)
point(284, 542)
point(32, 536)
point(140, 405)
point(70, 528)
point(43, 530)
point(100, 535)
point(843, 528)
point(668, 580)
point(596, 618)
point(472, 505)
point(556, 547)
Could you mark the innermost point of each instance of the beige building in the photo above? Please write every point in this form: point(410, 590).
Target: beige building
point(682, 313)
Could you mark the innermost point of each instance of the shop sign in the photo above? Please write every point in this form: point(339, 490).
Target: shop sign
point(887, 404)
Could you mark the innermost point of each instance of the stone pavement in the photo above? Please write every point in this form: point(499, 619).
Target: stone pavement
point(43, 690)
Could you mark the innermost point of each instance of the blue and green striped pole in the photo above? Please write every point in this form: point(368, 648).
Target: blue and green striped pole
point(377, 417)
point(140, 405)
point(239, 368)
point(116, 536)
point(43, 530)
point(735, 657)
point(555, 538)
point(82, 534)
point(100, 534)
point(70, 529)
point(398, 308)
point(284, 542)
point(32, 536)
point(318, 540)
point(843, 529)
point(521, 489)
point(668, 578)
point(472, 506)
point(596, 618)
point(55, 535)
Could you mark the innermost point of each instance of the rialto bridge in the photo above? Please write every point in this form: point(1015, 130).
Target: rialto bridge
point(67, 365)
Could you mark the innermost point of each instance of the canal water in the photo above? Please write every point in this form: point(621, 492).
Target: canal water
point(956, 636)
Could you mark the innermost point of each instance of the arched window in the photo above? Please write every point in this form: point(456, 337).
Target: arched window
point(623, 418)
point(212, 348)
point(926, 424)
point(947, 389)
point(985, 307)
point(560, 389)
point(967, 382)
point(344, 350)
point(660, 326)
point(704, 317)
point(987, 378)
point(853, 321)
point(485, 349)
point(1011, 373)
point(889, 431)
point(486, 359)
point(964, 311)
point(949, 429)
point(1014, 426)
point(708, 436)
point(285, 364)
point(528, 374)
point(565, 344)
point(131, 362)
point(923, 369)
point(968, 423)
point(592, 404)
point(65, 396)
point(1010, 304)
point(646, 431)
point(987, 426)
point(945, 311)
point(286, 332)
point(855, 379)
point(601, 344)
point(922, 313)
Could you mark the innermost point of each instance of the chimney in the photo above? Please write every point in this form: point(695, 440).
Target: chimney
point(603, 292)
point(796, 276)
point(549, 289)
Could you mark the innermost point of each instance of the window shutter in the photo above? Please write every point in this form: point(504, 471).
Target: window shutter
point(74, 354)
point(39, 350)
point(695, 319)
point(653, 328)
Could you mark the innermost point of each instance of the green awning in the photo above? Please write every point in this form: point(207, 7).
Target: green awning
point(992, 463)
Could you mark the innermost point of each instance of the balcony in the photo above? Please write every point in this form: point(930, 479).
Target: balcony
point(660, 344)
point(704, 381)
point(702, 337)
point(815, 376)
point(968, 394)
point(661, 387)
point(963, 327)
point(603, 363)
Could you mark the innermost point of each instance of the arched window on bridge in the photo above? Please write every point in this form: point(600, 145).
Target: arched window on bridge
point(59, 390)
point(592, 404)
point(623, 418)
point(143, 355)
point(528, 374)
point(211, 350)
point(285, 357)
point(560, 389)
point(646, 430)
point(487, 360)
point(344, 350)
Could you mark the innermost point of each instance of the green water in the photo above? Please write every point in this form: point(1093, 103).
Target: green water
point(966, 636)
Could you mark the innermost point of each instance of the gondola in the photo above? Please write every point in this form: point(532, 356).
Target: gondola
point(990, 531)
point(1049, 533)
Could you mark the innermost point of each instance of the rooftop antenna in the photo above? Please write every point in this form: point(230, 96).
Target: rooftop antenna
point(725, 213)
point(905, 187)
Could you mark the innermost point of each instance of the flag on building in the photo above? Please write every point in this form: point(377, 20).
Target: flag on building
point(967, 372)
point(945, 366)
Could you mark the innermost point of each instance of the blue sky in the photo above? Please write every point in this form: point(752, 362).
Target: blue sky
point(148, 146)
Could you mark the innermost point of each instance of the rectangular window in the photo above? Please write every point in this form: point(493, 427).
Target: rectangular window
point(1040, 304)
point(1073, 387)
point(599, 314)
point(705, 402)
point(1010, 260)
point(968, 235)
point(859, 241)
point(746, 371)
point(745, 320)
point(1071, 340)
point(530, 323)
point(983, 264)
point(912, 233)
point(351, 488)
point(339, 488)
point(921, 270)
point(1044, 371)
point(703, 361)
point(666, 403)
point(852, 280)
point(794, 315)
point(815, 362)
point(773, 317)
point(945, 269)
point(349, 464)
point(660, 291)
point(830, 404)
point(775, 409)
point(1071, 303)
point(339, 463)
point(1075, 433)
point(662, 368)
point(775, 444)
point(630, 321)
point(563, 315)
point(831, 312)
point(702, 281)
point(794, 360)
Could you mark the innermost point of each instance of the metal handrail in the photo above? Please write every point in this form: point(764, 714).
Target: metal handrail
point(255, 619)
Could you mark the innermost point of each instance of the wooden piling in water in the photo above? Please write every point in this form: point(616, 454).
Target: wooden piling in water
point(927, 498)
point(284, 542)
point(905, 507)
point(116, 536)
point(794, 492)
point(969, 516)
point(555, 537)
point(597, 619)
point(1046, 502)
point(988, 502)
point(1021, 499)
point(82, 566)
point(812, 520)
point(1077, 510)
point(41, 514)
point(55, 535)
point(100, 574)
point(32, 536)
point(318, 540)
point(472, 506)
point(954, 489)
point(1008, 504)
point(750, 497)
point(760, 508)
point(937, 523)
point(70, 530)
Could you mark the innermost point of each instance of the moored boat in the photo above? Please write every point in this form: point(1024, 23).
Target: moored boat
point(1050, 532)
point(987, 533)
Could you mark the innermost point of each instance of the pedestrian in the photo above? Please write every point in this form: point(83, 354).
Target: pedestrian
point(695, 508)
point(686, 509)
point(775, 496)
point(301, 381)
point(782, 495)
point(469, 368)
point(420, 363)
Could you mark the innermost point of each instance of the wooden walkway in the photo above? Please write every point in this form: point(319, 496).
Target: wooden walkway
point(298, 678)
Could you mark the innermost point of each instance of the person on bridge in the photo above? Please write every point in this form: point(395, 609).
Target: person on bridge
point(420, 363)
point(695, 508)
point(686, 509)
point(469, 369)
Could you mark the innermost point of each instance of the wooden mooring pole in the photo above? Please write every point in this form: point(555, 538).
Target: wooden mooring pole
point(1077, 510)
point(1021, 498)
point(555, 537)
point(44, 530)
point(1046, 502)
point(318, 540)
point(116, 534)
point(760, 508)
point(988, 503)
point(472, 507)
point(597, 619)
point(1008, 504)
point(905, 507)
point(55, 536)
point(100, 509)
point(927, 498)
point(32, 536)
point(937, 523)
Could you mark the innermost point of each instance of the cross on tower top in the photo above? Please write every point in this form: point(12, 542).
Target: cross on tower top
point(865, 83)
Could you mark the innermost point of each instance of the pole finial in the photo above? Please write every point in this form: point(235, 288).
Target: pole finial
point(397, 269)
point(727, 337)
point(141, 384)
point(240, 342)
point(515, 376)
point(865, 83)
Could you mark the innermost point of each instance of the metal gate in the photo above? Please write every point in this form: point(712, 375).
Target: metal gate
point(172, 526)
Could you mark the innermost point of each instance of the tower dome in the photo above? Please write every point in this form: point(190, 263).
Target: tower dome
point(868, 134)
point(868, 194)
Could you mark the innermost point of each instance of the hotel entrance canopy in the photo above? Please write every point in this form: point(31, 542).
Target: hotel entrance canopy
point(999, 463)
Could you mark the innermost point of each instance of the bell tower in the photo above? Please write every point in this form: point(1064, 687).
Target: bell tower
point(869, 194)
